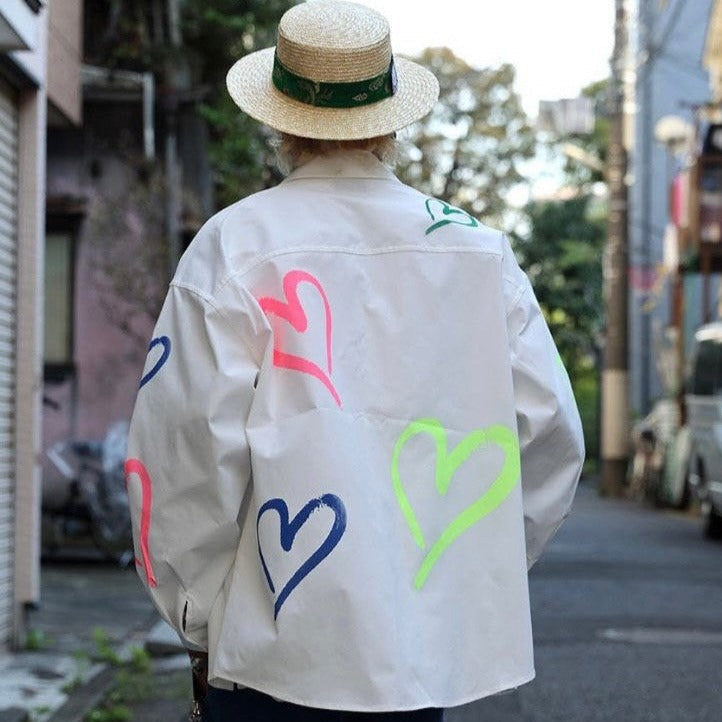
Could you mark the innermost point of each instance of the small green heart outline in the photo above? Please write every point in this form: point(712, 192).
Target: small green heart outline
point(447, 210)
point(446, 466)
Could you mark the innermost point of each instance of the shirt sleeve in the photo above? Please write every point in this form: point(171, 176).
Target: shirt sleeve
point(188, 462)
point(550, 431)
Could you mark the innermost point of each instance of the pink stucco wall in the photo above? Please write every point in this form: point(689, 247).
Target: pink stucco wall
point(108, 362)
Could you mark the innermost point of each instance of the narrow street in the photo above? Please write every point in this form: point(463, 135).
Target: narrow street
point(627, 609)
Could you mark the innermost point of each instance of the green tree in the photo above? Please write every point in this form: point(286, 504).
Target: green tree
point(563, 250)
point(131, 273)
point(562, 257)
point(215, 36)
point(468, 150)
point(562, 253)
point(135, 35)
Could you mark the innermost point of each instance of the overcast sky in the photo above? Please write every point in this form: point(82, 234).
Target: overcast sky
point(557, 46)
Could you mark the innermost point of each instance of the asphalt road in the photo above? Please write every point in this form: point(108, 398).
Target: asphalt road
point(627, 613)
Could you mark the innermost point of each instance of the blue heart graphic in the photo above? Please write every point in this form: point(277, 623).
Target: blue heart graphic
point(165, 342)
point(288, 534)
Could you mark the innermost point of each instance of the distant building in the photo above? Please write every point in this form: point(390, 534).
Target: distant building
point(669, 80)
point(567, 116)
point(106, 202)
point(39, 81)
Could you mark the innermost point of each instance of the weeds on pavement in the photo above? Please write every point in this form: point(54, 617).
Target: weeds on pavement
point(134, 683)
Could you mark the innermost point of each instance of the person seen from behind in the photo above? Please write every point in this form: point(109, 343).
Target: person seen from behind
point(354, 434)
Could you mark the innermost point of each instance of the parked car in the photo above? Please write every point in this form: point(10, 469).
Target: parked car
point(704, 411)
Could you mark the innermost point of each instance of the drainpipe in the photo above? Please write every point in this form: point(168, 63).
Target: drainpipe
point(148, 112)
point(175, 77)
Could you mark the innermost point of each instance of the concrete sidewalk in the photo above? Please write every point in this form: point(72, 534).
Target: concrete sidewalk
point(83, 600)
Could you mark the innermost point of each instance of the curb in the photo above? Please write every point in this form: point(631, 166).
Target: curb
point(159, 640)
point(14, 714)
point(85, 697)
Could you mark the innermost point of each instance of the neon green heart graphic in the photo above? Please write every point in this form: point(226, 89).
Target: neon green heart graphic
point(446, 466)
point(443, 214)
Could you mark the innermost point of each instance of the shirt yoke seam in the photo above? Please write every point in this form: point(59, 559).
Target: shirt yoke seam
point(259, 260)
point(184, 286)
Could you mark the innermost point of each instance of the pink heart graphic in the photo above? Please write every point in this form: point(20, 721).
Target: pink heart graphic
point(292, 311)
point(137, 467)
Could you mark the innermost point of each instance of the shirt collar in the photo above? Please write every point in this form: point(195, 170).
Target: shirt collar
point(343, 164)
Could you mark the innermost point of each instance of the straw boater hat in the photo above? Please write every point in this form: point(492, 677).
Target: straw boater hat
point(332, 76)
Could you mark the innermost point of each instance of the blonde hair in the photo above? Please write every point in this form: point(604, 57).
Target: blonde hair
point(293, 150)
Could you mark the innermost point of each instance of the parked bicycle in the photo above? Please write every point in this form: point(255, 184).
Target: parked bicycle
point(92, 505)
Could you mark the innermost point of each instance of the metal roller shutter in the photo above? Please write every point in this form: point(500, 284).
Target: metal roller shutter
point(8, 282)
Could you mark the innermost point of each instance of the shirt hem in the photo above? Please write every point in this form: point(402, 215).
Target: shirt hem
point(389, 707)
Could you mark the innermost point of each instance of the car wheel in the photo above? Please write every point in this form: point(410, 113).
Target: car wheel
point(712, 521)
point(685, 498)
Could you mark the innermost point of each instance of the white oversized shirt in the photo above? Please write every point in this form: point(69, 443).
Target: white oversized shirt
point(352, 437)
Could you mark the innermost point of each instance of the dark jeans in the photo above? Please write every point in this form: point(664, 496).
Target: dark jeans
point(248, 705)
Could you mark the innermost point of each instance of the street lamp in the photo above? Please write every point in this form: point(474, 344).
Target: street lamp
point(675, 133)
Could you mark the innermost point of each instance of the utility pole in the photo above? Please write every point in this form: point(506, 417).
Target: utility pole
point(615, 375)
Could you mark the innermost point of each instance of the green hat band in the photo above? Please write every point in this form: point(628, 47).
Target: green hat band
point(334, 95)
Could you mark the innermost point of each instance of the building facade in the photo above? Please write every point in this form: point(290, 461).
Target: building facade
point(109, 213)
point(23, 48)
point(39, 83)
point(670, 80)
